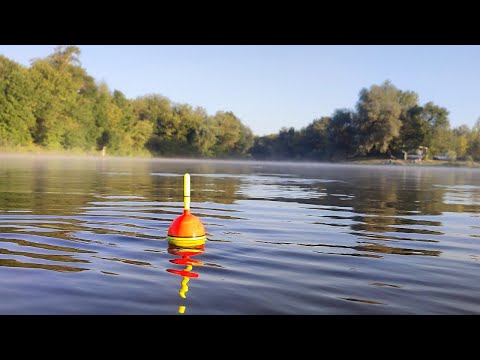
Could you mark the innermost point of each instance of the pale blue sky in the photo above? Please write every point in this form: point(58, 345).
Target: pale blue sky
point(269, 87)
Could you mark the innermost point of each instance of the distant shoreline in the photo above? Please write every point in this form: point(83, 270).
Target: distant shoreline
point(435, 163)
point(358, 162)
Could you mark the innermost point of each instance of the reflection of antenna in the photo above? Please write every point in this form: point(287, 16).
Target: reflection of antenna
point(186, 274)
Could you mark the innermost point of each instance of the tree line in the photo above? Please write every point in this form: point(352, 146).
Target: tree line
point(386, 122)
point(56, 105)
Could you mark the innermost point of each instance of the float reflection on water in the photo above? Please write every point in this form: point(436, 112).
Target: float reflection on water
point(184, 259)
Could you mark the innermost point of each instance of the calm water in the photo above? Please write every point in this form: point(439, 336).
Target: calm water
point(87, 236)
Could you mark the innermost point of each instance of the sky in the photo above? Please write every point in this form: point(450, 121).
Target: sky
point(269, 87)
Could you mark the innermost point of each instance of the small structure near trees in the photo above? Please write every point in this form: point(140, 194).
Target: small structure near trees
point(417, 156)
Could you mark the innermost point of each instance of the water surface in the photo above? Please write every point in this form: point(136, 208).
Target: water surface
point(87, 236)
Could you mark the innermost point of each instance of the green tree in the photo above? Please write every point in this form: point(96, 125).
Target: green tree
point(460, 140)
point(57, 86)
point(201, 135)
point(414, 129)
point(314, 139)
point(232, 137)
point(141, 132)
point(474, 144)
point(108, 117)
point(342, 134)
point(378, 118)
point(16, 113)
point(159, 112)
point(439, 136)
point(64, 57)
point(127, 115)
point(263, 147)
point(286, 143)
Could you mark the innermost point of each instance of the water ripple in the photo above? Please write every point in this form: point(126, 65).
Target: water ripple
point(88, 237)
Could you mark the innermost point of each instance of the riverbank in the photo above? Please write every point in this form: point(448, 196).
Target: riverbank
point(40, 151)
point(471, 164)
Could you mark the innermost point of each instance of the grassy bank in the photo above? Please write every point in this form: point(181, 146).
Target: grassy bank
point(40, 150)
point(37, 150)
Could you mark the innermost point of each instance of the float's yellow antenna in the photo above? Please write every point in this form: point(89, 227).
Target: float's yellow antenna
point(186, 192)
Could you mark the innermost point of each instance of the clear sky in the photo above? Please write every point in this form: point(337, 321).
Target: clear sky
point(269, 87)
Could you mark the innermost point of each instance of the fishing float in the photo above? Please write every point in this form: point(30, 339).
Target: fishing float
point(186, 230)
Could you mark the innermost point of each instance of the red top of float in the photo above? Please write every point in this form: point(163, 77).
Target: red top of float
point(186, 225)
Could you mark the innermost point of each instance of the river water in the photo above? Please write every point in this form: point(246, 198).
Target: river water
point(87, 236)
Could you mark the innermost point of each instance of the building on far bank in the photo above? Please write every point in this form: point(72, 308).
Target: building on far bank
point(419, 154)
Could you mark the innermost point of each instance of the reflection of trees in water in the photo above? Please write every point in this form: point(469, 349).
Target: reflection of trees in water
point(384, 249)
point(61, 197)
point(401, 204)
point(59, 186)
point(414, 193)
point(217, 190)
point(383, 199)
point(384, 195)
point(45, 187)
point(382, 203)
point(379, 200)
point(203, 189)
point(28, 265)
point(368, 247)
point(59, 261)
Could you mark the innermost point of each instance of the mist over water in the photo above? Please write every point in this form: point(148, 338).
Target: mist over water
point(87, 236)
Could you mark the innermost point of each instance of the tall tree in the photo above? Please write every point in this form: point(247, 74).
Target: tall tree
point(159, 112)
point(64, 56)
point(263, 147)
point(57, 85)
point(201, 132)
point(438, 138)
point(127, 118)
point(460, 139)
point(378, 120)
point(287, 143)
point(16, 115)
point(108, 120)
point(342, 140)
point(474, 145)
point(414, 129)
point(314, 138)
point(233, 138)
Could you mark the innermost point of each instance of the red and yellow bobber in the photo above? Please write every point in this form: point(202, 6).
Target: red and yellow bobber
point(186, 230)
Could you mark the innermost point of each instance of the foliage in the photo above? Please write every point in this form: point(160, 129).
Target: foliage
point(378, 117)
point(342, 134)
point(16, 101)
point(386, 122)
point(55, 104)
